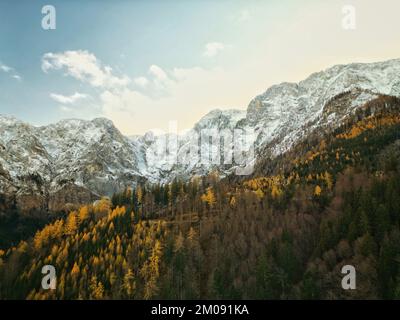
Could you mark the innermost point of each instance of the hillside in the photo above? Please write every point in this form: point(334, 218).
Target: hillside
point(331, 199)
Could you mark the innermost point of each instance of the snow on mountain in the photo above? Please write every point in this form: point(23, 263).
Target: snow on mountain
point(21, 151)
point(91, 154)
point(94, 155)
point(283, 110)
point(179, 155)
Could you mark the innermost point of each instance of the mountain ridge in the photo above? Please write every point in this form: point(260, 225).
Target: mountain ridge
point(94, 155)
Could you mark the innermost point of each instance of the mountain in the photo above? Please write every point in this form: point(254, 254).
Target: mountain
point(76, 161)
point(331, 201)
point(286, 111)
point(186, 148)
point(72, 161)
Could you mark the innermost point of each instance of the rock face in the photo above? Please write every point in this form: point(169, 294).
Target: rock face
point(73, 161)
point(185, 155)
point(76, 161)
point(91, 154)
point(284, 112)
point(69, 196)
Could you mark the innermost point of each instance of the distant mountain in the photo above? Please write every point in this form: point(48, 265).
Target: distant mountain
point(76, 161)
point(71, 161)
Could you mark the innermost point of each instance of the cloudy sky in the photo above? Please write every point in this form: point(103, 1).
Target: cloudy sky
point(145, 63)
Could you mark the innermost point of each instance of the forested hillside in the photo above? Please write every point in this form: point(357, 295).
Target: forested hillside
point(285, 232)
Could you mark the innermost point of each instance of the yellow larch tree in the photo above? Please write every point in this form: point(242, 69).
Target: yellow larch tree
point(209, 197)
point(317, 191)
point(83, 213)
point(71, 224)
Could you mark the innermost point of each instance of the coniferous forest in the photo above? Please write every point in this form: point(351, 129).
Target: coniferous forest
point(283, 233)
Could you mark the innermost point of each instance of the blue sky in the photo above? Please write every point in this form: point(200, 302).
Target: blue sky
point(144, 63)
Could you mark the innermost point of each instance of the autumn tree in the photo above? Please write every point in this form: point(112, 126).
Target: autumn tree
point(209, 197)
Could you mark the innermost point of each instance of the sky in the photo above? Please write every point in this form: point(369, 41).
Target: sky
point(143, 63)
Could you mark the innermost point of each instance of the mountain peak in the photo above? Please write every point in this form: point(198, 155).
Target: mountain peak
point(310, 94)
point(8, 120)
point(218, 118)
point(103, 122)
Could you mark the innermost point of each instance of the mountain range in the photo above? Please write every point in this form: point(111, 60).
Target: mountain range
point(76, 161)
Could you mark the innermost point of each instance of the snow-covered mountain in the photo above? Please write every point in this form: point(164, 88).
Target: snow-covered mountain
point(184, 154)
point(74, 161)
point(283, 112)
point(67, 162)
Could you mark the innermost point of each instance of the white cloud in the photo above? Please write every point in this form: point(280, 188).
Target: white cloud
point(159, 81)
point(158, 73)
point(5, 68)
point(84, 66)
point(141, 82)
point(181, 94)
point(68, 99)
point(213, 48)
point(10, 71)
point(191, 93)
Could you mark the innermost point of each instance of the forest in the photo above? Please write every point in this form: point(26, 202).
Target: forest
point(283, 233)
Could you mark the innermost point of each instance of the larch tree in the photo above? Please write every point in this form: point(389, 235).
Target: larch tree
point(72, 224)
point(209, 197)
